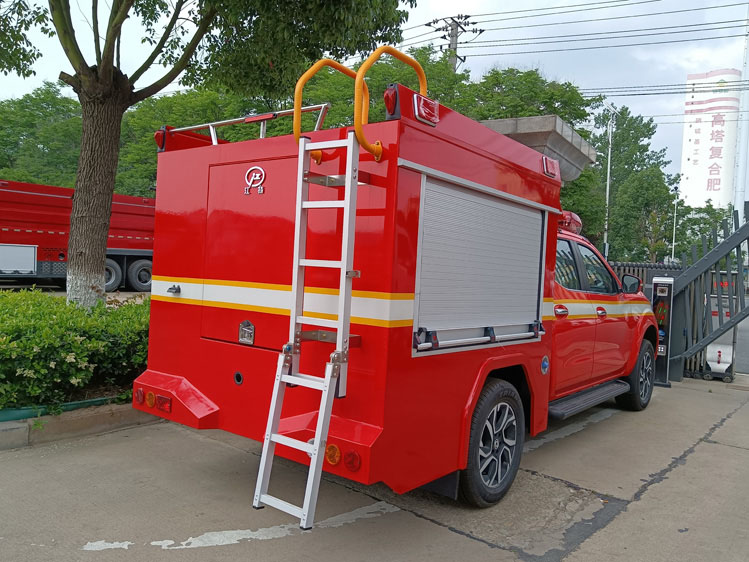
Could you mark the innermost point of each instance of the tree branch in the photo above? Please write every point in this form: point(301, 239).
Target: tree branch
point(95, 22)
point(155, 53)
point(117, 18)
point(60, 10)
point(181, 64)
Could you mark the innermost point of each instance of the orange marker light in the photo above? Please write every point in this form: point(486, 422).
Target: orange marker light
point(150, 399)
point(333, 454)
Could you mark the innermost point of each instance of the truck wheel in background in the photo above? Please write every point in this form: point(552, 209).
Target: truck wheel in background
point(495, 445)
point(640, 380)
point(139, 275)
point(112, 275)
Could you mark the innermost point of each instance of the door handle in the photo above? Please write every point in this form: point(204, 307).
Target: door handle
point(601, 312)
point(560, 311)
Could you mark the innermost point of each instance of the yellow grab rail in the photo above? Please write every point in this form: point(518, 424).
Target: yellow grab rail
point(314, 69)
point(361, 93)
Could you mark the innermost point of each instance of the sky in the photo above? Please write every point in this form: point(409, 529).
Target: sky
point(538, 23)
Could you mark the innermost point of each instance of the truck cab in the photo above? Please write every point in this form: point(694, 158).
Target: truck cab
point(600, 322)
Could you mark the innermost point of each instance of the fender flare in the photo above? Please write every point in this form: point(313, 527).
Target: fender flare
point(539, 396)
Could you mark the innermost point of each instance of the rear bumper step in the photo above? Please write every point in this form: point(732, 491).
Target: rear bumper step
point(575, 403)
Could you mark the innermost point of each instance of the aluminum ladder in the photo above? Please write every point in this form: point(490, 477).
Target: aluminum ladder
point(333, 384)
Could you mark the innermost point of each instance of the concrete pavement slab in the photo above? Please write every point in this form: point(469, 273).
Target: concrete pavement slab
point(616, 455)
point(136, 494)
point(697, 513)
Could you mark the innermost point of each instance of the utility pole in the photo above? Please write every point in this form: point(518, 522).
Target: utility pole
point(742, 141)
point(608, 183)
point(454, 27)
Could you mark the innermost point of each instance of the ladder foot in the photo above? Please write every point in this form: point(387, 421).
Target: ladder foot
point(258, 507)
point(305, 528)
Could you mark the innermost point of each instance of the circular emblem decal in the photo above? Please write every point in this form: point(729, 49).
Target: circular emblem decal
point(254, 177)
point(545, 365)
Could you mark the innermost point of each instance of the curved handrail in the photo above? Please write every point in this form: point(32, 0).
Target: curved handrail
point(304, 78)
point(360, 88)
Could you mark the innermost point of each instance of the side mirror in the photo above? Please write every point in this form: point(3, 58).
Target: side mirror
point(631, 284)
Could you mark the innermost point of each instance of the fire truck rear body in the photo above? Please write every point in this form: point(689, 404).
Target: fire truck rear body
point(456, 231)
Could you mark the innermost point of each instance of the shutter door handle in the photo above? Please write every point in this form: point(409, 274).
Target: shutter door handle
point(560, 311)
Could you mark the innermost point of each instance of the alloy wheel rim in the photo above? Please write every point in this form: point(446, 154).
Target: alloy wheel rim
point(497, 445)
point(646, 376)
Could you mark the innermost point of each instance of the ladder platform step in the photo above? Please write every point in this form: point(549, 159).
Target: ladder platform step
point(335, 180)
point(293, 443)
point(322, 322)
point(323, 204)
point(279, 504)
point(308, 381)
point(332, 264)
point(322, 145)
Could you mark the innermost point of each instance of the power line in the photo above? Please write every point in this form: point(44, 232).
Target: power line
point(585, 9)
point(659, 92)
point(679, 85)
point(533, 42)
point(622, 2)
point(607, 46)
point(616, 17)
point(606, 32)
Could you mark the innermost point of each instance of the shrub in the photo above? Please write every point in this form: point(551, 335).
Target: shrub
point(50, 349)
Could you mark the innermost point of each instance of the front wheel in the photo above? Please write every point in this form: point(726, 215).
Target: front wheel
point(495, 444)
point(640, 380)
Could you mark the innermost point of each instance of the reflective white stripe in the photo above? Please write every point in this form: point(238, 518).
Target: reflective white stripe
point(588, 308)
point(383, 309)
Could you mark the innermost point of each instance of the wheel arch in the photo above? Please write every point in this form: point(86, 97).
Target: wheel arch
point(533, 391)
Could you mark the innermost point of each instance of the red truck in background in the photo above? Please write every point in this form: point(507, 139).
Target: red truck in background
point(34, 230)
point(399, 311)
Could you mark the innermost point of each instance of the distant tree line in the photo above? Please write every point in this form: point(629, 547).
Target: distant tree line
point(41, 136)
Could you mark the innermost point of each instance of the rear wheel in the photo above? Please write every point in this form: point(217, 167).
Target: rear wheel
point(112, 275)
point(495, 445)
point(139, 275)
point(640, 380)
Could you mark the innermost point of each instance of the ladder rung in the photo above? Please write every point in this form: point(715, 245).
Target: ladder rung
point(322, 145)
point(332, 264)
point(323, 204)
point(273, 501)
point(293, 443)
point(304, 380)
point(322, 322)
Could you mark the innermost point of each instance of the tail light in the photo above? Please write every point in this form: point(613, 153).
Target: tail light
point(352, 461)
point(164, 403)
point(139, 396)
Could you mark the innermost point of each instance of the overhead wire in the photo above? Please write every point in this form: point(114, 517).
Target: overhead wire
point(585, 9)
point(606, 46)
point(612, 18)
point(610, 32)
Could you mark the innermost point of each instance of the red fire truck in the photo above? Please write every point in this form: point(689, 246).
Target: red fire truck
point(392, 302)
point(34, 229)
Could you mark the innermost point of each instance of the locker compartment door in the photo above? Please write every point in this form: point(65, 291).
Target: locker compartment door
point(480, 264)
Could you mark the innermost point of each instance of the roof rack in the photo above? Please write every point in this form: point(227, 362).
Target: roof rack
point(262, 118)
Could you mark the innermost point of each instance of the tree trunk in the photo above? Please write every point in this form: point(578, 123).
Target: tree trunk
point(94, 186)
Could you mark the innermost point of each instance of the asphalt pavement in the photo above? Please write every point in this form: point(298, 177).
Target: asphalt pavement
point(668, 483)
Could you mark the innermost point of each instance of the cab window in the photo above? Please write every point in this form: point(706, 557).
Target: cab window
point(599, 278)
point(566, 273)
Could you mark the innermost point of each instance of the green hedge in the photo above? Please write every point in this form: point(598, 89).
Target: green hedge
point(50, 350)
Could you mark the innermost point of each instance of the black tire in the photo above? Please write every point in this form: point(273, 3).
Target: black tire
point(495, 444)
point(112, 275)
point(640, 380)
point(139, 275)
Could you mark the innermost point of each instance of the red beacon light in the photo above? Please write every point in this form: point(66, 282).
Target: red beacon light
point(571, 222)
